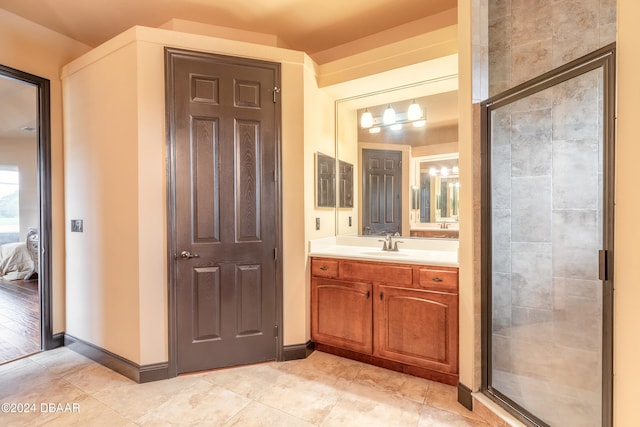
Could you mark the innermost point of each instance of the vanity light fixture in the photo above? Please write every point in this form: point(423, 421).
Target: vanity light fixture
point(366, 121)
point(389, 116)
point(433, 171)
point(444, 171)
point(455, 170)
point(414, 115)
point(414, 112)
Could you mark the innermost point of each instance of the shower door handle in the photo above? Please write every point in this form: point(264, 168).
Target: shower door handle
point(603, 260)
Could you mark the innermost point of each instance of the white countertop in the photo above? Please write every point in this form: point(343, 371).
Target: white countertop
point(438, 252)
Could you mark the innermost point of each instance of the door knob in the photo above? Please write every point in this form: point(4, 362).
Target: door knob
point(188, 255)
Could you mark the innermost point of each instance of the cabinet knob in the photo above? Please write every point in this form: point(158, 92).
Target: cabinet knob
point(380, 296)
point(323, 268)
point(367, 294)
point(437, 279)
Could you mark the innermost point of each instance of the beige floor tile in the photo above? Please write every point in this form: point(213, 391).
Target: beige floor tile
point(200, 403)
point(434, 417)
point(88, 412)
point(308, 400)
point(443, 396)
point(259, 415)
point(367, 405)
point(61, 361)
point(399, 384)
point(19, 382)
point(248, 381)
point(95, 378)
point(322, 390)
point(134, 401)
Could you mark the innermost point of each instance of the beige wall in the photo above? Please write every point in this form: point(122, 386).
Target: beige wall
point(29, 47)
point(123, 251)
point(468, 288)
point(101, 176)
point(627, 227)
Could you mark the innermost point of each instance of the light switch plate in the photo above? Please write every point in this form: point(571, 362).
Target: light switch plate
point(317, 223)
point(77, 226)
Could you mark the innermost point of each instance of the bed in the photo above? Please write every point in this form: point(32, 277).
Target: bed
point(19, 260)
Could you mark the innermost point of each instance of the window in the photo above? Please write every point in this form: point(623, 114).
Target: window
point(9, 204)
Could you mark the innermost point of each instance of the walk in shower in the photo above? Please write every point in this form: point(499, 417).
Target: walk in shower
point(547, 240)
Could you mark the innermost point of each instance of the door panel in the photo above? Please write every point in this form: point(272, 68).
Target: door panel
point(382, 195)
point(224, 124)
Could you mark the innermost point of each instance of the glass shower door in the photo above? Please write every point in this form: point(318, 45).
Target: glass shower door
point(549, 216)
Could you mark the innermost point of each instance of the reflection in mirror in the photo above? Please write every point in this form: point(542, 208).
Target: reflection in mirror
point(437, 197)
point(325, 181)
point(393, 190)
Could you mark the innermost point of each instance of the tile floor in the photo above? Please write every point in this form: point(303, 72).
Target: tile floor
point(322, 390)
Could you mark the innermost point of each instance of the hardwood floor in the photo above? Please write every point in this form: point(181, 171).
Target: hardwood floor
point(19, 319)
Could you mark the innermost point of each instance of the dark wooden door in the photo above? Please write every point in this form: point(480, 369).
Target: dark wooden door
point(382, 195)
point(417, 327)
point(341, 314)
point(224, 125)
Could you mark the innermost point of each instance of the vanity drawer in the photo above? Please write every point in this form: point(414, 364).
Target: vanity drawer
point(430, 278)
point(324, 267)
point(377, 272)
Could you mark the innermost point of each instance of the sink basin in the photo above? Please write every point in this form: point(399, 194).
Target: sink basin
point(385, 254)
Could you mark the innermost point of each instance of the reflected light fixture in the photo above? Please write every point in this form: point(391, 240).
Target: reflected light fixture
point(374, 130)
point(433, 171)
point(444, 171)
point(396, 126)
point(366, 121)
point(419, 123)
point(455, 170)
point(389, 116)
point(414, 112)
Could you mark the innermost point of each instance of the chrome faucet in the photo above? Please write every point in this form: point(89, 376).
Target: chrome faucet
point(388, 243)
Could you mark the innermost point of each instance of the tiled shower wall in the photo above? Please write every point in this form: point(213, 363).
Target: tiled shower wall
point(546, 183)
point(530, 37)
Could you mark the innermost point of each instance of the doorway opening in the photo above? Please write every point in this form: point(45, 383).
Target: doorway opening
point(25, 215)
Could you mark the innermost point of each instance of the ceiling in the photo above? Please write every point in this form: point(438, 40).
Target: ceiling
point(17, 109)
point(307, 25)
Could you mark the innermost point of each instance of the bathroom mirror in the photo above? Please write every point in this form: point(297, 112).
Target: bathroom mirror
point(387, 163)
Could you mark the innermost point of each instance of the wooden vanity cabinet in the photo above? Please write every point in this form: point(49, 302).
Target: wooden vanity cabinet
point(342, 314)
point(417, 327)
point(400, 316)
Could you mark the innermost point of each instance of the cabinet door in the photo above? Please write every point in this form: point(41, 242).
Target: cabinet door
point(341, 314)
point(417, 327)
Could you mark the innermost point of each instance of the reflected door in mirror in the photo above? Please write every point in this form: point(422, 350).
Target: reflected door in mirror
point(382, 195)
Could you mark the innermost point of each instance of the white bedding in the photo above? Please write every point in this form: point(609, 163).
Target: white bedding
point(15, 262)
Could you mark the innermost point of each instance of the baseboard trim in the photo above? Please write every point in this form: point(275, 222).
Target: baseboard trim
point(138, 373)
point(297, 351)
point(57, 341)
point(464, 396)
